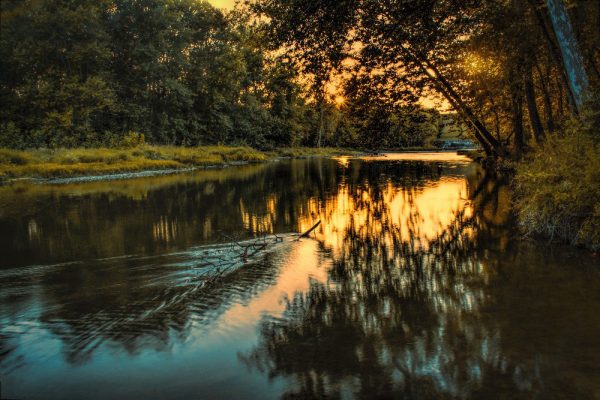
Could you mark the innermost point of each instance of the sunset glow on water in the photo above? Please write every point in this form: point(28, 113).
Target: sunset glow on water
point(405, 279)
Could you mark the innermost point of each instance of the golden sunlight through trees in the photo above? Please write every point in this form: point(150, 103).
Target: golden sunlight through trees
point(229, 4)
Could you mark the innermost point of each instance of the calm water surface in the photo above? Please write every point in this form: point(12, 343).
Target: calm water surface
point(414, 286)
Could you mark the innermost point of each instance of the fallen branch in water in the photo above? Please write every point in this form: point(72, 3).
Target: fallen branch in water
point(225, 260)
point(230, 257)
point(232, 240)
point(305, 234)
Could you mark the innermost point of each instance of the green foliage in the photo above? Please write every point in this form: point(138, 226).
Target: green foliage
point(496, 63)
point(133, 139)
point(87, 73)
point(368, 123)
point(558, 188)
point(11, 136)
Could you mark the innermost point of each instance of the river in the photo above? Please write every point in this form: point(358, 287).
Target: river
point(416, 285)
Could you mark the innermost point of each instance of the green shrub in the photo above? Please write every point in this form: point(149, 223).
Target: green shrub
point(133, 139)
point(558, 188)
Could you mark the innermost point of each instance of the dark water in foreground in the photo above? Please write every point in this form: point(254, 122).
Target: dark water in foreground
point(415, 286)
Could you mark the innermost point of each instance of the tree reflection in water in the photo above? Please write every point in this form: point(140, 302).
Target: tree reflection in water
point(421, 290)
point(411, 316)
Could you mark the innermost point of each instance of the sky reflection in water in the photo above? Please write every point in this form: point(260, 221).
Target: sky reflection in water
point(413, 286)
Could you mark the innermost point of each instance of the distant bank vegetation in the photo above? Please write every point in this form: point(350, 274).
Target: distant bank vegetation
point(60, 163)
point(183, 73)
point(99, 161)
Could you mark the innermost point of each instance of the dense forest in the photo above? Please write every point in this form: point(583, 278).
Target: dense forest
point(89, 73)
point(85, 73)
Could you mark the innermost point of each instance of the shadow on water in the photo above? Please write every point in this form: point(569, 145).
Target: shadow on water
point(414, 286)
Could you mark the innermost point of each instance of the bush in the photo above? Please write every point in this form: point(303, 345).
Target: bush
point(133, 139)
point(558, 188)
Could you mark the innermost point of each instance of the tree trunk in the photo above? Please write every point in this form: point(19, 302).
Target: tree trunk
point(496, 117)
point(534, 115)
point(546, 98)
point(490, 145)
point(593, 65)
point(487, 148)
point(556, 57)
point(320, 134)
point(467, 110)
point(517, 117)
point(572, 59)
point(561, 103)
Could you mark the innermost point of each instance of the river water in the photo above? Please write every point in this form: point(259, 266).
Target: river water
point(416, 285)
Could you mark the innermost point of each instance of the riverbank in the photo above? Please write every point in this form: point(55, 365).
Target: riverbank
point(557, 190)
point(99, 162)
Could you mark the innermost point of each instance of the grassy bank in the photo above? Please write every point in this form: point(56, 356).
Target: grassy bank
point(299, 152)
point(60, 163)
point(558, 191)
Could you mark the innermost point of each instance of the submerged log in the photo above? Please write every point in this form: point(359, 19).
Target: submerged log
point(305, 234)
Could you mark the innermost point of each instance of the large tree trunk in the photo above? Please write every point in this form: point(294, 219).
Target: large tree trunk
point(571, 56)
point(556, 57)
point(534, 115)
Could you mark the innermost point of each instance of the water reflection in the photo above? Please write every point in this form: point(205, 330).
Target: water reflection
point(415, 309)
point(413, 288)
point(396, 315)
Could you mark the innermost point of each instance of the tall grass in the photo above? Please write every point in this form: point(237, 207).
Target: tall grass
point(52, 163)
point(558, 189)
point(83, 161)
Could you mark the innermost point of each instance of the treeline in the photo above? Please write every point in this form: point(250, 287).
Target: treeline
point(88, 72)
point(513, 70)
point(375, 125)
point(181, 72)
point(83, 73)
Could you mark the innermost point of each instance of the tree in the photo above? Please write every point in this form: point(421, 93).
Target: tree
point(489, 60)
point(571, 55)
point(408, 42)
point(85, 73)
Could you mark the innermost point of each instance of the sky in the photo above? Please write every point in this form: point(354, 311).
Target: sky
point(222, 3)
